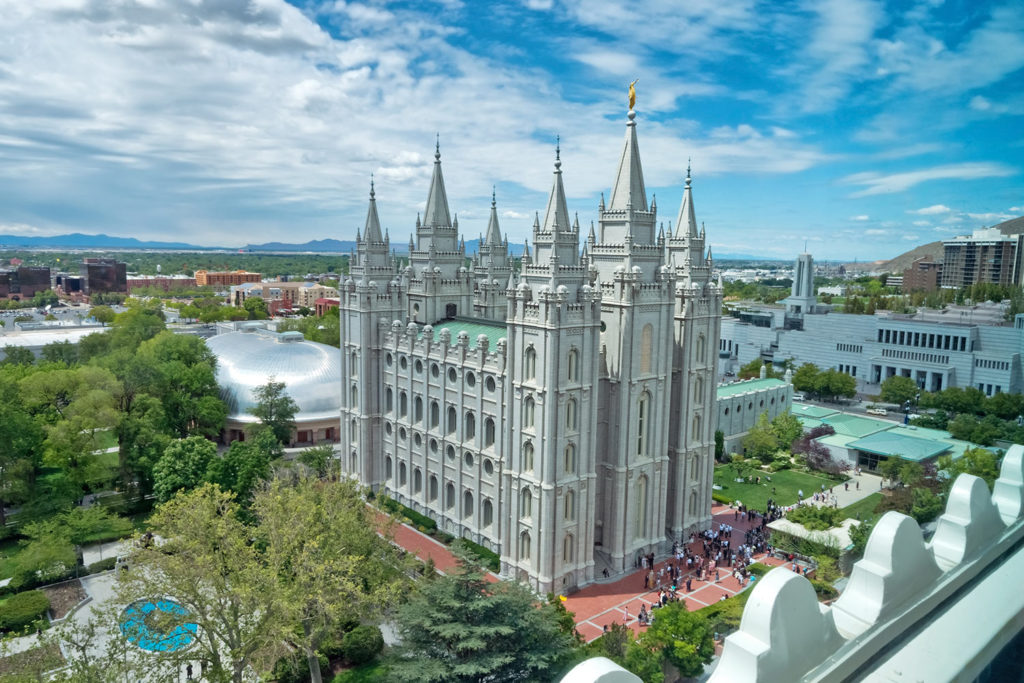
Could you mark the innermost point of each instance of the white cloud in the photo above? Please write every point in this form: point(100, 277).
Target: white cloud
point(1016, 209)
point(509, 213)
point(539, 4)
point(910, 237)
point(932, 210)
point(922, 224)
point(862, 217)
point(876, 231)
point(990, 217)
point(876, 183)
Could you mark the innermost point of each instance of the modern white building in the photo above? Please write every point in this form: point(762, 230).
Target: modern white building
point(562, 415)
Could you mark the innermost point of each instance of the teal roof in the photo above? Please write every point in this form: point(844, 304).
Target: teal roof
point(840, 440)
point(474, 327)
point(852, 425)
point(809, 423)
point(892, 443)
point(801, 410)
point(726, 390)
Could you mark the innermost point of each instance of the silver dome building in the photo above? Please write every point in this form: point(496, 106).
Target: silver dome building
point(248, 358)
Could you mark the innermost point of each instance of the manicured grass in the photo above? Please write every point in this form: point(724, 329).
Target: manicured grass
point(784, 483)
point(374, 672)
point(864, 508)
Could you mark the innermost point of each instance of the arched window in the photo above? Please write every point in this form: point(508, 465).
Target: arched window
point(693, 503)
point(525, 503)
point(567, 548)
point(401, 474)
point(488, 512)
point(403, 404)
point(528, 410)
point(696, 428)
point(449, 496)
point(524, 545)
point(453, 419)
point(570, 505)
point(570, 459)
point(417, 410)
point(574, 366)
point(387, 467)
point(435, 414)
point(694, 468)
point(354, 397)
point(698, 390)
point(700, 348)
point(389, 400)
point(640, 511)
point(528, 457)
point(467, 505)
point(432, 491)
point(643, 424)
point(353, 462)
point(530, 364)
point(417, 480)
point(355, 364)
point(469, 427)
point(353, 431)
point(488, 432)
point(570, 414)
point(646, 347)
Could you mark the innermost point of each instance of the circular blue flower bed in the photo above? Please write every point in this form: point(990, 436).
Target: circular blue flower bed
point(158, 626)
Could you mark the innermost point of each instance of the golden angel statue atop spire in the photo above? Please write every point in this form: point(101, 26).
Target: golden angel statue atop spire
point(632, 93)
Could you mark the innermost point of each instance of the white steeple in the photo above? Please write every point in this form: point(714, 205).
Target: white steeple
point(686, 224)
point(628, 190)
point(493, 232)
point(556, 215)
point(436, 214)
point(372, 232)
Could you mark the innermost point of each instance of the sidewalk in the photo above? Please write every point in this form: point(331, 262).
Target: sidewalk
point(869, 483)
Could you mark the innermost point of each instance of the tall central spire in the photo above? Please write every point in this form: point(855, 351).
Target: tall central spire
point(493, 232)
point(629, 181)
point(686, 223)
point(372, 232)
point(436, 214)
point(556, 215)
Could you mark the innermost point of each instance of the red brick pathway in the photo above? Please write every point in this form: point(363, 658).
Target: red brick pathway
point(424, 547)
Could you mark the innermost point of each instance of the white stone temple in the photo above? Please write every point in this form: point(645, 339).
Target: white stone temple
point(561, 414)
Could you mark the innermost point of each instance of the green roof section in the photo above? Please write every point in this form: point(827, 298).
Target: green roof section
point(474, 327)
point(817, 412)
point(892, 443)
point(852, 425)
point(736, 388)
point(839, 440)
point(809, 423)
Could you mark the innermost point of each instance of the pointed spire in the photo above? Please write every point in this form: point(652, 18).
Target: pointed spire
point(526, 251)
point(359, 237)
point(511, 281)
point(556, 215)
point(600, 206)
point(373, 234)
point(654, 203)
point(493, 231)
point(455, 223)
point(536, 221)
point(686, 223)
point(576, 223)
point(418, 219)
point(436, 214)
point(709, 254)
point(592, 237)
point(629, 181)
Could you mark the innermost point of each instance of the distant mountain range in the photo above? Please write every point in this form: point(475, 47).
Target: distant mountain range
point(81, 241)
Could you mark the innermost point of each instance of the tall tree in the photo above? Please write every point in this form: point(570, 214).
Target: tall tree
point(805, 378)
point(21, 446)
point(787, 428)
point(761, 441)
point(460, 628)
point(338, 569)
point(183, 465)
point(683, 637)
point(245, 466)
point(898, 389)
point(275, 409)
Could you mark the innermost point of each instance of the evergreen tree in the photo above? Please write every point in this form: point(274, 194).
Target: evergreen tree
point(460, 628)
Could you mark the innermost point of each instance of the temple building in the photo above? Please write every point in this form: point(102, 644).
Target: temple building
point(560, 413)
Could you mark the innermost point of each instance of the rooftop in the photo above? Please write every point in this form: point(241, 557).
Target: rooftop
point(801, 410)
point(891, 442)
point(852, 425)
point(727, 390)
point(474, 327)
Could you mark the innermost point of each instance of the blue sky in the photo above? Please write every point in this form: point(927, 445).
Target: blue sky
point(863, 127)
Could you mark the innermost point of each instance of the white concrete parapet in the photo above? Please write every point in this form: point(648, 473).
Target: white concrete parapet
point(786, 635)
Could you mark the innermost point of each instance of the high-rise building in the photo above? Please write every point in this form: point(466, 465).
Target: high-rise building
point(23, 282)
point(986, 256)
point(562, 416)
point(923, 275)
point(205, 278)
point(103, 275)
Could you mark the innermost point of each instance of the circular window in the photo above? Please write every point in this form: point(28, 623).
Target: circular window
point(489, 383)
point(488, 467)
point(470, 379)
point(415, 309)
point(387, 428)
point(419, 367)
point(401, 433)
point(433, 446)
point(403, 363)
point(417, 439)
point(434, 370)
point(468, 459)
point(450, 452)
point(389, 360)
point(452, 375)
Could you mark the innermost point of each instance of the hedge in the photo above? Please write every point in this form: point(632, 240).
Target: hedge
point(362, 644)
point(758, 569)
point(22, 609)
point(720, 497)
point(489, 558)
point(101, 566)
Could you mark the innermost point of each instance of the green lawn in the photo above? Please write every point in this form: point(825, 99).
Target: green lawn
point(864, 510)
point(784, 483)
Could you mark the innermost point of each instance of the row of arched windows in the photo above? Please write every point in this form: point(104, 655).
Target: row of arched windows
point(572, 364)
point(569, 462)
point(451, 426)
point(486, 509)
point(568, 547)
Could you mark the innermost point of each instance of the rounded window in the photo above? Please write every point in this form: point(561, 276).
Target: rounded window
point(401, 433)
point(403, 363)
point(433, 446)
point(488, 466)
point(417, 439)
point(389, 360)
point(468, 459)
point(489, 383)
point(450, 452)
point(419, 367)
point(470, 379)
point(435, 371)
point(387, 428)
point(452, 375)
point(604, 326)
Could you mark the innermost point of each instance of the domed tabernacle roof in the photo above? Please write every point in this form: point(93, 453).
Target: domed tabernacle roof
point(248, 359)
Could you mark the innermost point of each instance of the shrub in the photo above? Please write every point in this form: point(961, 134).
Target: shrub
point(488, 558)
point(23, 609)
point(295, 669)
point(720, 497)
point(362, 644)
point(101, 566)
point(758, 569)
point(824, 589)
point(816, 518)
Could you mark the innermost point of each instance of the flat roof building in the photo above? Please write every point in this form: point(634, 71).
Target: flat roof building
point(207, 278)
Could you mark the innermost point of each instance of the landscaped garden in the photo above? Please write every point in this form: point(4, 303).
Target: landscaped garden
point(783, 486)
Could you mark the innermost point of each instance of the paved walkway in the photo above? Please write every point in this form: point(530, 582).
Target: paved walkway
point(861, 486)
point(425, 547)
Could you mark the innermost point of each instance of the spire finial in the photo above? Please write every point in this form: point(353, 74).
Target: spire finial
point(372, 194)
point(687, 171)
point(558, 151)
point(437, 148)
point(494, 196)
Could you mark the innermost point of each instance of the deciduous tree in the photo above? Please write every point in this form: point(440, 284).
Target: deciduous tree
point(275, 409)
